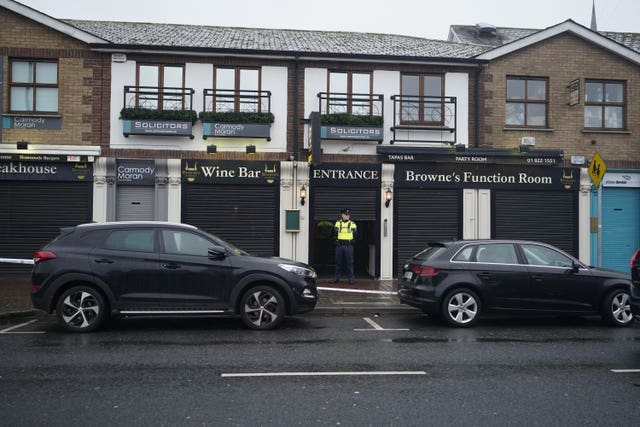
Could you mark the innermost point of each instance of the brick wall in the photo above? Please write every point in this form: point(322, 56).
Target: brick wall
point(82, 81)
point(563, 59)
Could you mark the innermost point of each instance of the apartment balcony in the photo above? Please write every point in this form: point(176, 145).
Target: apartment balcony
point(236, 114)
point(155, 111)
point(351, 116)
point(431, 119)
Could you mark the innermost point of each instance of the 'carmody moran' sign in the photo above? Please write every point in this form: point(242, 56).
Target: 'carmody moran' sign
point(157, 127)
point(135, 172)
point(31, 122)
point(494, 177)
point(350, 174)
point(367, 133)
point(236, 130)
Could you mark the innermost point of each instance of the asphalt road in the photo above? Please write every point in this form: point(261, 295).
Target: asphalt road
point(390, 370)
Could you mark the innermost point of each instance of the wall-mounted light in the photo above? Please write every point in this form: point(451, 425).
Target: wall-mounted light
point(303, 195)
point(251, 149)
point(212, 149)
point(22, 145)
point(388, 196)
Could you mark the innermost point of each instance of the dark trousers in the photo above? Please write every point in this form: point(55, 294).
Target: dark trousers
point(344, 261)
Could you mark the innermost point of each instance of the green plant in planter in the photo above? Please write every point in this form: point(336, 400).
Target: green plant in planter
point(236, 117)
point(149, 114)
point(346, 119)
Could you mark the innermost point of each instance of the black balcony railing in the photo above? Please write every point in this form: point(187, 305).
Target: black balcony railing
point(356, 104)
point(155, 98)
point(424, 118)
point(238, 101)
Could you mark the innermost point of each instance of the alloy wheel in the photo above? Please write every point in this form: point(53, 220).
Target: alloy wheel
point(462, 308)
point(621, 308)
point(262, 308)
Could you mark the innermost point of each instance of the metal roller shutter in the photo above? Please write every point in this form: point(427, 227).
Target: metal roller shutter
point(135, 203)
point(243, 215)
point(32, 214)
point(550, 217)
point(422, 216)
point(329, 201)
point(620, 226)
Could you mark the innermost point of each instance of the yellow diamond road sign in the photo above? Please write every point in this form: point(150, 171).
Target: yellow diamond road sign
point(597, 168)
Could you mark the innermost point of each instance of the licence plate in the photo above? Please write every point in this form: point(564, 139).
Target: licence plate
point(408, 275)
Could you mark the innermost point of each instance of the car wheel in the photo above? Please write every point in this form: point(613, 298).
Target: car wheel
point(81, 309)
point(461, 308)
point(616, 308)
point(262, 308)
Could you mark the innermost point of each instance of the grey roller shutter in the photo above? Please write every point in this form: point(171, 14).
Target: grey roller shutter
point(135, 203)
point(423, 216)
point(546, 216)
point(32, 214)
point(329, 201)
point(244, 215)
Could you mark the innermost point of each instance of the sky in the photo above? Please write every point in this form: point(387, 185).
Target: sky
point(421, 18)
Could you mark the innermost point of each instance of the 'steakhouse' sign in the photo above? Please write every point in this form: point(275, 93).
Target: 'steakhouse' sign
point(47, 171)
point(504, 177)
point(200, 171)
point(350, 174)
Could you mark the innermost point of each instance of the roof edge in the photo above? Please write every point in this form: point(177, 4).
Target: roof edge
point(50, 22)
point(568, 26)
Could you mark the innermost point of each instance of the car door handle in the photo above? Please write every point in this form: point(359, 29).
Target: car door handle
point(484, 276)
point(538, 277)
point(103, 261)
point(171, 266)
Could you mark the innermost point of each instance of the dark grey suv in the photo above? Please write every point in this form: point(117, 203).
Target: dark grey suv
point(94, 271)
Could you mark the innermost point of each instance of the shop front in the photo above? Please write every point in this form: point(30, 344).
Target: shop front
point(235, 200)
point(39, 194)
point(444, 201)
point(337, 186)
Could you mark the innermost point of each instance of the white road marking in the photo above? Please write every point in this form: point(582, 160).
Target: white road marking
point(625, 371)
point(357, 291)
point(8, 330)
point(376, 327)
point(319, 374)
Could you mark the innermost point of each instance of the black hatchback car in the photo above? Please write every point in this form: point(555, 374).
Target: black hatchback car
point(94, 271)
point(461, 280)
point(634, 264)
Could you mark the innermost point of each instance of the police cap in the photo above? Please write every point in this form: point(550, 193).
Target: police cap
point(345, 211)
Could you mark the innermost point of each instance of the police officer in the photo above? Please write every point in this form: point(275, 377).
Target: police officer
point(344, 233)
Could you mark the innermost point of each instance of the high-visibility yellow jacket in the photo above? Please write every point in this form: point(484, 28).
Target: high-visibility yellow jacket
point(345, 230)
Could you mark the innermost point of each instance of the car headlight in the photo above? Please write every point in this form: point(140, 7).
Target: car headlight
point(300, 271)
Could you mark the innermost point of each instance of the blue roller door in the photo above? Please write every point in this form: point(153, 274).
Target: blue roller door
point(620, 226)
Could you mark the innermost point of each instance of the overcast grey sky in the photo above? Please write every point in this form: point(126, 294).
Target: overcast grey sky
point(422, 18)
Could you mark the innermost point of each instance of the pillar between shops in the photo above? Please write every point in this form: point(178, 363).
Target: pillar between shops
point(386, 222)
point(293, 176)
point(174, 190)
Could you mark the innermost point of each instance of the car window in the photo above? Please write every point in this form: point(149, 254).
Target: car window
point(184, 243)
point(428, 252)
point(464, 254)
point(497, 253)
point(542, 255)
point(131, 240)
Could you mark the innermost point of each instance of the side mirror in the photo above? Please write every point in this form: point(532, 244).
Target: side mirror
point(217, 252)
point(574, 268)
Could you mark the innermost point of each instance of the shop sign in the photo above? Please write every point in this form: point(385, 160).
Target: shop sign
point(366, 133)
point(49, 171)
point(465, 157)
point(349, 174)
point(236, 130)
point(46, 158)
point(477, 176)
point(32, 122)
point(135, 172)
point(200, 171)
point(621, 180)
point(157, 127)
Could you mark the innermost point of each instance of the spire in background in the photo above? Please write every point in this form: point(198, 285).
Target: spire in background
point(594, 25)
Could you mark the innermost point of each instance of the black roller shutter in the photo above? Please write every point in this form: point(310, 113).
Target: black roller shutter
point(422, 216)
point(244, 215)
point(329, 201)
point(550, 217)
point(32, 214)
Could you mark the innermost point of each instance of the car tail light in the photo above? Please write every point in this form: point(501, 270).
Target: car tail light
point(35, 288)
point(634, 258)
point(425, 271)
point(41, 256)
